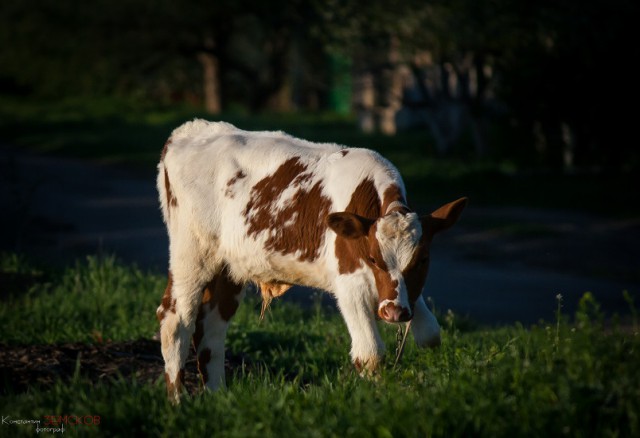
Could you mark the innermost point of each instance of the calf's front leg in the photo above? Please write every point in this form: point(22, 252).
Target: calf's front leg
point(424, 326)
point(367, 347)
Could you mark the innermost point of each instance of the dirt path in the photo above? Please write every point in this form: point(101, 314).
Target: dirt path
point(508, 264)
point(498, 265)
point(57, 210)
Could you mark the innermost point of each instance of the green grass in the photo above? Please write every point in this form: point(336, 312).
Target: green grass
point(127, 133)
point(560, 378)
point(95, 298)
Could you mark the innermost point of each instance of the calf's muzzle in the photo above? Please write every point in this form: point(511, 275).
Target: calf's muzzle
point(390, 312)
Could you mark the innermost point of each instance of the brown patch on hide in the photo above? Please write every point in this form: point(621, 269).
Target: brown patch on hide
point(385, 285)
point(352, 252)
point(415, 274)
point(171, 200)
point(221, 293)
point(238, 176)
point(394, 194)
point(204, 357)
point(298, 226)
point(344, 152)
point(165, 149)
point(168, 303)
point(349, 225)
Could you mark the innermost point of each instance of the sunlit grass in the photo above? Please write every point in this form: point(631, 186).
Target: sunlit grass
point(573, 377)
point(95, 298)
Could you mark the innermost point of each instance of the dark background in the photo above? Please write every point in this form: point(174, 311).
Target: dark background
point(548, 83)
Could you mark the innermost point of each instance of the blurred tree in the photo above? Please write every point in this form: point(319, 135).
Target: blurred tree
point(40, 47)
point(554, 67)
point(150, 48)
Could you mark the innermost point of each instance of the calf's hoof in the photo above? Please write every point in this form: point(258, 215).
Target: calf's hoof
point(174, 388)
point(366, 367)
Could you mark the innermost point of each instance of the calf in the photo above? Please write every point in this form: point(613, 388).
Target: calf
point(268, 208)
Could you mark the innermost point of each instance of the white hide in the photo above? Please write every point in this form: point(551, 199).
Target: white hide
point(424, 325)
point(398, 235)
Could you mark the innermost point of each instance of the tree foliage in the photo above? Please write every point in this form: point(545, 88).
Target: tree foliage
point(560, 68)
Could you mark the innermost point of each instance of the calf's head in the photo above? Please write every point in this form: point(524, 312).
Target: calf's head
point(395, 247)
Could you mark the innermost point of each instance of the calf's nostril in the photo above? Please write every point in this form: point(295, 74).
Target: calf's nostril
point(393, 313)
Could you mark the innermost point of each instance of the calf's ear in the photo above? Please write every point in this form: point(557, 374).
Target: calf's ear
point(444, 217)
point(349, 225)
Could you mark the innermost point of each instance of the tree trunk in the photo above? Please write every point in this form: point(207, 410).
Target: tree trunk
point(280, 99)
point(392, 86)
point(210, 77)
point(365, 102)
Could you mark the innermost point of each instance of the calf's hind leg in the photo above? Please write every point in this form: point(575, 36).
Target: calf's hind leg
point(177, 315)
point(220, 301)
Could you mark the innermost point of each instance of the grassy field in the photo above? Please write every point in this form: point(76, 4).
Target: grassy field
point(568, 377)
point(125, 133)
point(574, 376)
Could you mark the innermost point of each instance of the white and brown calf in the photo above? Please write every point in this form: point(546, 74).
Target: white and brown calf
point(268, 208)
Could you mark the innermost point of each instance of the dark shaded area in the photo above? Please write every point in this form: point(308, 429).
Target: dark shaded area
point(542, 84)
point(57, 210)
point(501, 265)
point(25, 367)
point(16, 283)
